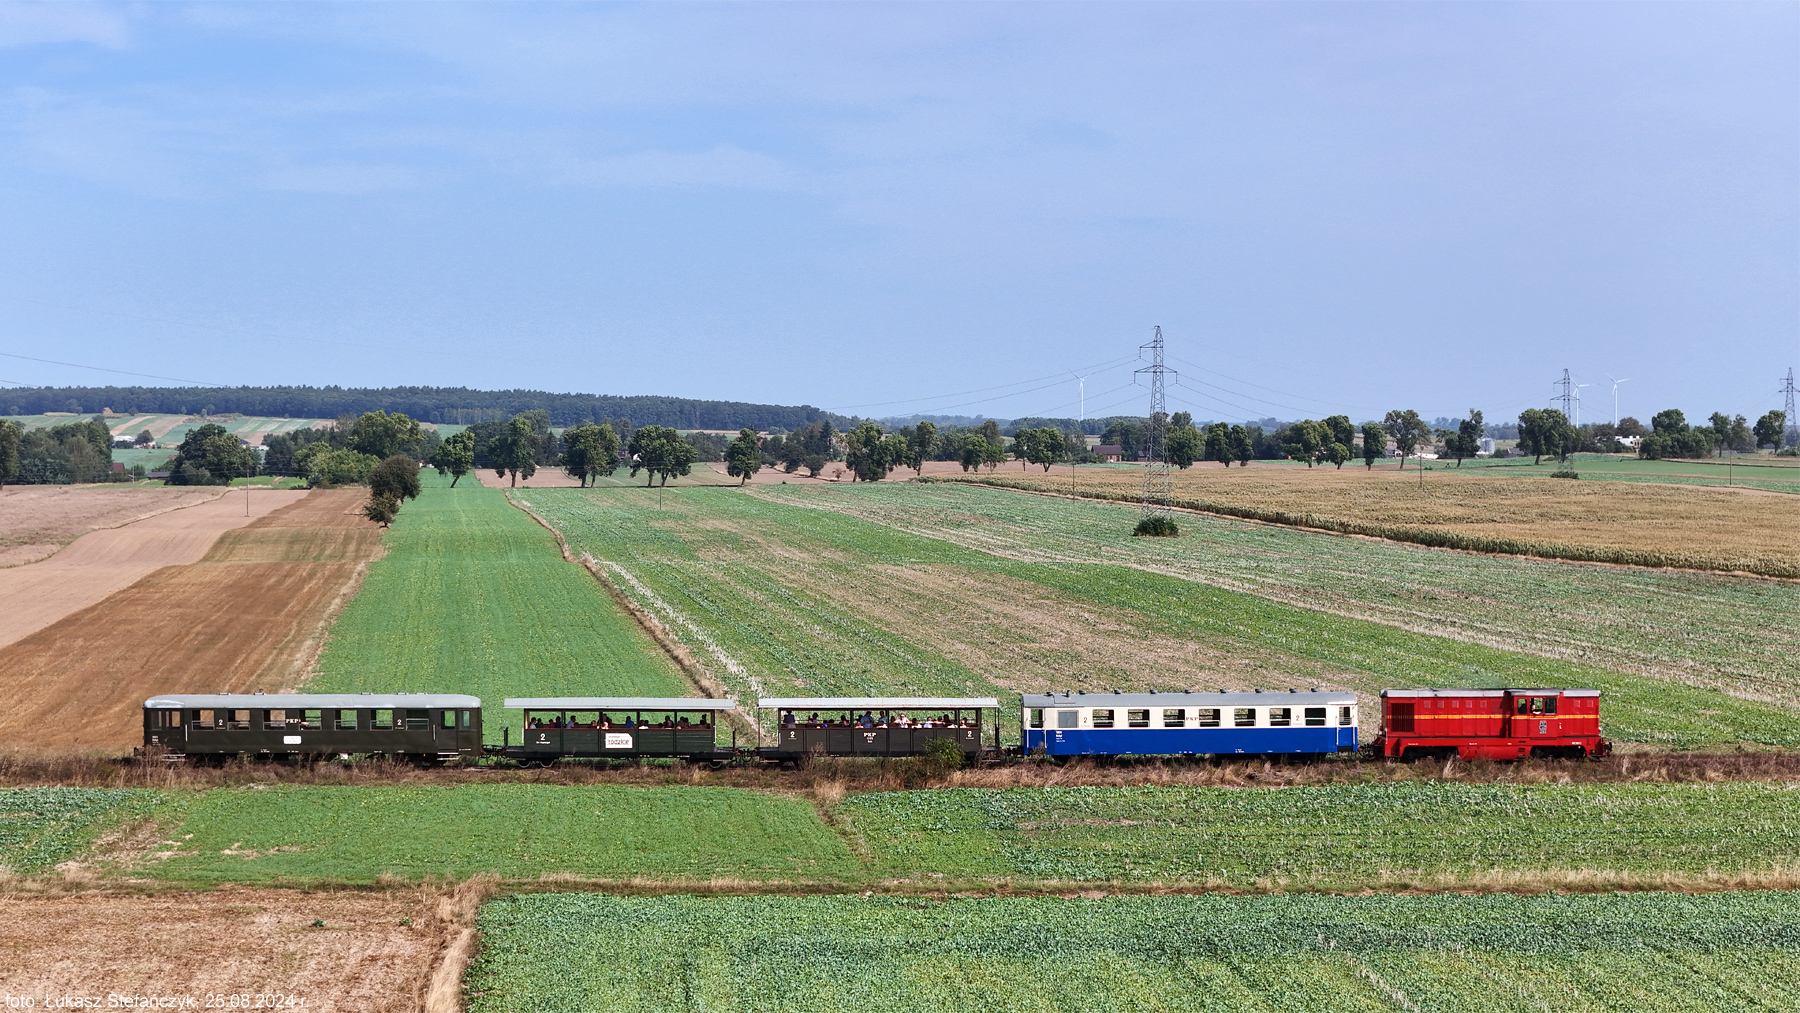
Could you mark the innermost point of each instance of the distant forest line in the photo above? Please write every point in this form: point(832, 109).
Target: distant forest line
point(452, 405)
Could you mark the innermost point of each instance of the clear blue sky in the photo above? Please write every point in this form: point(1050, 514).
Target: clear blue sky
point(864, 207)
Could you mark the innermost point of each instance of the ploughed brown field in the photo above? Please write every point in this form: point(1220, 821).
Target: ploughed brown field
point(37, 520)
point(377, 950)
point(251, 614)
point(102, 562)
point(1621, 522)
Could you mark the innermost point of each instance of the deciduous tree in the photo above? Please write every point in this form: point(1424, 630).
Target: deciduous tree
point(10, 432)
point(514, 452)
point(661, 452)
point(381, 435)
point(1407, 429)
point(922, 445)
point(590, 451)
point(1374, 443)
point(1770, 430)
point(396, 478)
point(1243, 446)
point(455, 456)
point(743, 458)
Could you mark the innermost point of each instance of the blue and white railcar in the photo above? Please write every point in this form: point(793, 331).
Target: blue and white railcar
point(1177, 724)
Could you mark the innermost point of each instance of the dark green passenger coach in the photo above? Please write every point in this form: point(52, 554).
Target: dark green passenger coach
point(418, 727)
point(597, 727)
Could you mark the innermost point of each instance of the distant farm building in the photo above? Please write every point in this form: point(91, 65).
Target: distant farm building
point(1110, 452)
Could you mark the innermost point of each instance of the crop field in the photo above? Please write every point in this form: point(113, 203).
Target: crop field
point(1652, 524)
point(1701, 629)
point(1724, 952)
point(357, 835)
point(248, 614)
point(37, 520)
point(40, 827)
point(473, 596)
point(1776, 474)
point(1350, 837)
point(782, 599)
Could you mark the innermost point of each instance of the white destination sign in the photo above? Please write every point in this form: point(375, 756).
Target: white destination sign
point(618, 740)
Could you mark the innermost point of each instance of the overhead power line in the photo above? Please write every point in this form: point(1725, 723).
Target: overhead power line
point(1060, 376)
point(121, 372)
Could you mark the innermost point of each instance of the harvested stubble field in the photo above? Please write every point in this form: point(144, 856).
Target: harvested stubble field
point(473, 596)
point(783, 599)
point(1292, 953)
point(373, 950)
point(37, 520)
point(1702, 629)
point(1480, 509)
point(249, 615)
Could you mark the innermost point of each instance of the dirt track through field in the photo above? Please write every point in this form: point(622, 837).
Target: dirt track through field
point(374, 950)
point(252, 614)
point(101, 562)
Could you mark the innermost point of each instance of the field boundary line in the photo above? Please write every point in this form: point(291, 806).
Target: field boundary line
point(1351, 529)
point(653, 627)
point(457, 913)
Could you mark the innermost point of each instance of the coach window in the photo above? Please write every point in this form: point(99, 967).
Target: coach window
point(1206, 717)
point(465, 719)
point(1103, 718)
point(381, 719)
point(1137, 718)
point(1343, 715)
point(313, 720)
point(1244, 717)
point(1282, 716)
point(1068, 719)
point(239, 720)
point(1037, 717)
point(274, 719)
point(167, 719)
point(1174, 718)
point(418, 720)
point(449, 720)
point(205, 719)
point(1315, 716)
point(346, 721)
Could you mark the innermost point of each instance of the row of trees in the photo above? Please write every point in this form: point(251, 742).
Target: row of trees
point(54, 455)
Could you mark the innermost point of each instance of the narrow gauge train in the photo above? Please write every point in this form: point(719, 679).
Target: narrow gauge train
point(1416, 723)
point(1187, 724)
point(420, 727)
point(874, 726)
point(1492, 724)
point(617, 726)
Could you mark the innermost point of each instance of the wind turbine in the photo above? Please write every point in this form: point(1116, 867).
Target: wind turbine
point(1082, 380)
point(1578, 402)
point(1615, 384)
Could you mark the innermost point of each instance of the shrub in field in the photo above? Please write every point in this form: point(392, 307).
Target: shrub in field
point(1157, 526)
point(1565, 473)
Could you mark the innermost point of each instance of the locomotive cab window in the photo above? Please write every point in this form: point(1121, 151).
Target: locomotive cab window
point(1103, 718)
point(382, 719)
point(1174, 717)
point(1137, 718)
point(1315, 716)
point(346, 721)
point(1206, 717)
point(1068, 719)
point(1037, 717)
point(1281, 716)
point(1244, 717)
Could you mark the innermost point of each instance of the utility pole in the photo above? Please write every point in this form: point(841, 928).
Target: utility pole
point(1793, 424)
point(1156, 469)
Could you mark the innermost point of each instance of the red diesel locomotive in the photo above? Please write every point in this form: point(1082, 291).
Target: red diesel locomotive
point(1493, 724)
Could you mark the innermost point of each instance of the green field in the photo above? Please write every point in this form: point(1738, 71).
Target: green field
point(1333, 837)
point(922, 592)
point(1702, 629)
point(1776, 474)
point(520, 831)
point(40, 827)
point(473, 596)
point(1303, 954)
